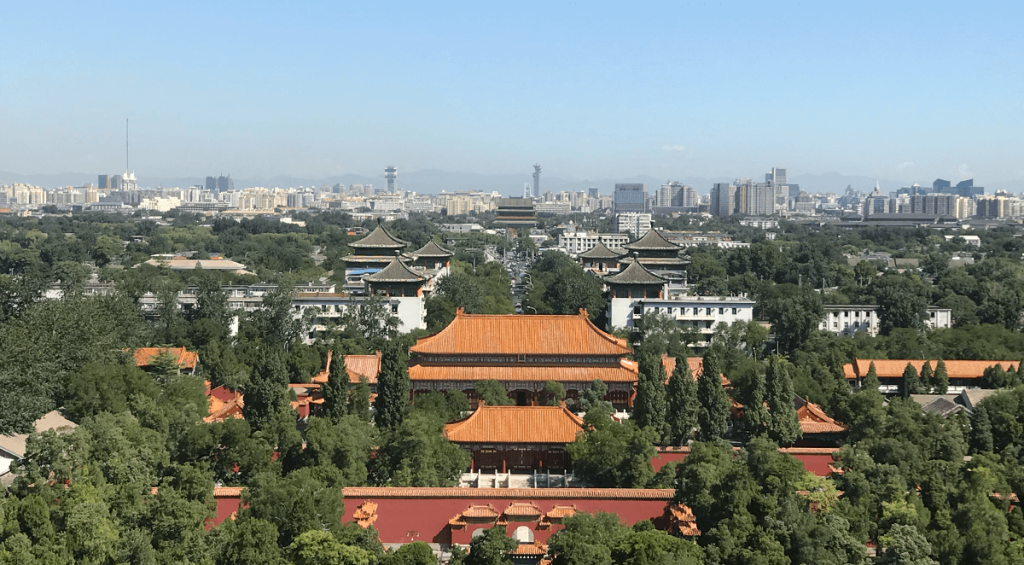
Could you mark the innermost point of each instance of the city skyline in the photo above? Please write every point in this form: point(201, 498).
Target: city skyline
point(314, 91)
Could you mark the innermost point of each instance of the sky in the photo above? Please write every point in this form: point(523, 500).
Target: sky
point(911, 91)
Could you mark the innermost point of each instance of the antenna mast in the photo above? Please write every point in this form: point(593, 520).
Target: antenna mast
point(126, 145)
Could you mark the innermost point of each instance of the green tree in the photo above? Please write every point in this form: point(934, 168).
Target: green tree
point(321, 548)
point(594, 395)
point(904, 545)
point(927, 377)
point(491, 548)
point(940, 380)
point(245, 542)
point(981, 430)
point(393, 388)
point(901, 302)
point(335, 390)
point(554, 393)
point(712, 401)
point(756, 417)
point(415, 553)
point(911, 383)
point(681, 396)
point(612, 455)
point(784, 426)
point(794, 313)
point(307, 499)
point(493, 393)
point(266, 392)
point(650, 406)
point(587, 539)
point(417, 454)
point(359, 400)
point(344, 443)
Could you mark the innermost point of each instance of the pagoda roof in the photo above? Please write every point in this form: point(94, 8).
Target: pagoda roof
point(652, 240)
point(519, 334)
point(814, 420)
point(625, 372)
point(516, 424)
point(396, 271)
point(431, 249)
point(696, 365)
point(379, 238)
point(600, 251)
point(635, 273)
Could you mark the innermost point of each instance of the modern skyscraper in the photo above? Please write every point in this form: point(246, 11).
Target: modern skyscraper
point(630, 197)
point(723, 199)
point(211, 183)
point(105, 181)
point(391, 174)
point(225, 184)
point(536, 180)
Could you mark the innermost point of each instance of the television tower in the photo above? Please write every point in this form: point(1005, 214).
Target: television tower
point(536, 181)
point(391, 174)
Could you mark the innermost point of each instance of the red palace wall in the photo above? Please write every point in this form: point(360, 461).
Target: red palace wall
point(421, 514)
point(816, 460)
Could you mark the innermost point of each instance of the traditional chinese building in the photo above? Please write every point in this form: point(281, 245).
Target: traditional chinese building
point(962, 374)
point(370, 255)
point(817, 428)
point(657, 254)
point(523, 352)
point(517, 438)
point(600, 260)
point(187, 360)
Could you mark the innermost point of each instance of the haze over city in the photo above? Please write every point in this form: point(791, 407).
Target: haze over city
point(699, 93)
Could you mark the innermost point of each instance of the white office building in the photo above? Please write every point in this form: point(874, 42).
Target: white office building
point(849, 319)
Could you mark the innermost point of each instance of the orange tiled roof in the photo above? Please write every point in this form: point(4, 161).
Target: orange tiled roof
point(849, 372)
point(814, 420)
point(955, 369)
point(480, 511)
point(523, 510)
point(535, 548)
point(560, 512)
point(683, 521)
point(625, 372)
point(696, 365)
point(365, 514)
point(222, 406)
point(227, 492)
point(514, 334)
point(356, 365)
point(511, 493)
point(516, 424)
point(186, 359)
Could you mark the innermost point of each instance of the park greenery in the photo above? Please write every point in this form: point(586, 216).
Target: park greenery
point(133, 482)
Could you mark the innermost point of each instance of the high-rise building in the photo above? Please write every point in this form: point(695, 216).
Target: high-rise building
point(105, 182)
point(759, 199)
point(368, 190)
point(391, 174)
point(592, 192)
point(224, 184)
point(630, 197)
point(723, 199)
point(536, 180)
point(211, 183)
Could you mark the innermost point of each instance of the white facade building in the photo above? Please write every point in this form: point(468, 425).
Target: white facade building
point(576, 242)
point(701, 313)
point(852, 318)
point(636, 223)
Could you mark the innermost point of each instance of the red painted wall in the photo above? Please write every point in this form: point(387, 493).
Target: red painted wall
point(408, 519)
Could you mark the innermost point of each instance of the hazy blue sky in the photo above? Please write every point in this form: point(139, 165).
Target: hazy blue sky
point(909, 91)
